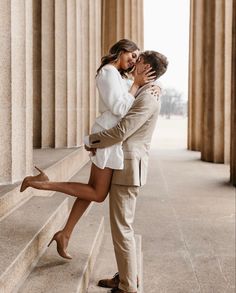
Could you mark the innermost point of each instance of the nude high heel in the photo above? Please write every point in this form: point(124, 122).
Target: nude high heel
point(58, 237)
point(40, 177)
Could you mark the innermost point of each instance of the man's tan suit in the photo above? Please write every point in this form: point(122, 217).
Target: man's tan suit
point(135, 130)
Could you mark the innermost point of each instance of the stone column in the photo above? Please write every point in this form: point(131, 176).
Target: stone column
point(71, 73)
point(140, 24)
point(125, 17)
point(209, 71)
point(84, 38)
point(15, 127)
point(48, 73)
point(6, 175)
point(228, 72)
point(92, 62)
point(29, 6)
point(233, 99)
point(37, 103)
point(122, 19)
point(18, 87)
point(98, 44)
point(79, 115)
point(60, 74)
point(196, 76)
point(213, 109)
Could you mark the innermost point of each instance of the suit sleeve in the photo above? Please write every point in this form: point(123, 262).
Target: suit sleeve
point(141, 110)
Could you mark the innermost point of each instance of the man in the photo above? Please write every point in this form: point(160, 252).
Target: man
point(135, 130)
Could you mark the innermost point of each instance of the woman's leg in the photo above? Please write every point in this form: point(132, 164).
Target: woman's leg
point(78, 209)
point(80, 205)
point(97, 190)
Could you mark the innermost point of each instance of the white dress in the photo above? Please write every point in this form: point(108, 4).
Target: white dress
point(114, 102)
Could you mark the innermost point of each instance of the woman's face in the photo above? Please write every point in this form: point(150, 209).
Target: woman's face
point(128, 59)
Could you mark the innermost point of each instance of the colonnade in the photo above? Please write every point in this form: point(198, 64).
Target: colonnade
point(212, 81)
point(49, 53)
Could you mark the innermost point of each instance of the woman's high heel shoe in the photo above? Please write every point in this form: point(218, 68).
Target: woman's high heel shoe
point(40, 177)
point(59, 238)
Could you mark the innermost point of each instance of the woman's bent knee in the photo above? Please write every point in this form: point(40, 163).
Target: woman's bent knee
point(100, 198)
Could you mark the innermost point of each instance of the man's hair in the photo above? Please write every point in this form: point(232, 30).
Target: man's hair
point(157, 61)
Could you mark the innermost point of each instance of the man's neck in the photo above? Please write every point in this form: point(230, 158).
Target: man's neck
point(143, 88)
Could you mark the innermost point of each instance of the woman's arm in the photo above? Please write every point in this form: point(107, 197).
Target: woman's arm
point(114, 97)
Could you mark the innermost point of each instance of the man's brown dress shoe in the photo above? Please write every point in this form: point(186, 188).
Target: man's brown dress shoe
point(117, 290)
point(110, 283)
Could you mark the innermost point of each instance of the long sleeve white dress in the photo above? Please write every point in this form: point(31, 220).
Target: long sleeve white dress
point(114, 102)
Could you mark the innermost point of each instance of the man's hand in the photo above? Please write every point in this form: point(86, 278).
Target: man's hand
point(92, 150)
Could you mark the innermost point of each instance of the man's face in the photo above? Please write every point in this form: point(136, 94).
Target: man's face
point(141, 66)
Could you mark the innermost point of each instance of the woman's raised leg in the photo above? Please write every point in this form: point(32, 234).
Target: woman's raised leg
point(95, 191)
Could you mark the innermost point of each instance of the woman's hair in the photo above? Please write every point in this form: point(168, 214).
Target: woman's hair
point(123, 45)
point(157, 61)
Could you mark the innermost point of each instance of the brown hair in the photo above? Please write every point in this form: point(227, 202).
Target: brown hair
point(157, 61)
point(123, 45)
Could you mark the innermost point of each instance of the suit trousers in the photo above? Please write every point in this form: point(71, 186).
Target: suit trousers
point(122, 201)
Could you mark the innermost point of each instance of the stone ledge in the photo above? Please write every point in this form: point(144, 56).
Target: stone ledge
point(24, 236)
point(55, 274)
point(60, 166)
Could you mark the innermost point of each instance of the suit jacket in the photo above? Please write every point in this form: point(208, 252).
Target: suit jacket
point(135, 129)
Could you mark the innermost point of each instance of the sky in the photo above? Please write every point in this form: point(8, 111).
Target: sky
point(166, 30)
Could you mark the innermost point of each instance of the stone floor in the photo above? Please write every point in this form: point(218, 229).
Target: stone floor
point(186, 216)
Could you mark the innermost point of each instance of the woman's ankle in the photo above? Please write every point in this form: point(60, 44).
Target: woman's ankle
point(66, 233)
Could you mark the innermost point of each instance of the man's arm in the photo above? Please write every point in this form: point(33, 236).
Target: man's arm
point(142, 109)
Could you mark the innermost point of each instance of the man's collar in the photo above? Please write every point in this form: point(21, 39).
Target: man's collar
point(144, 88)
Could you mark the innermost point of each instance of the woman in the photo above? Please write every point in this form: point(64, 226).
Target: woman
point(115, 100)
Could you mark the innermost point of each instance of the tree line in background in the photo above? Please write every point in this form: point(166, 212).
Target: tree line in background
point(173, 103)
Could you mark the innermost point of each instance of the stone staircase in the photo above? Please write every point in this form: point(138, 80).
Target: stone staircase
point(28, 221)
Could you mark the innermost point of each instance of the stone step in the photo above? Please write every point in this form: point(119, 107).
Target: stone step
point(60, 164)
point(55, 274)
point(24, 236)
point(105, 266)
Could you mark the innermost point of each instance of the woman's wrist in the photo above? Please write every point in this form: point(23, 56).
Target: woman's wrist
point(134, 88)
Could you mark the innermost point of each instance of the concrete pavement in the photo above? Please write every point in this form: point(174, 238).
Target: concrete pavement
point(186, 216)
